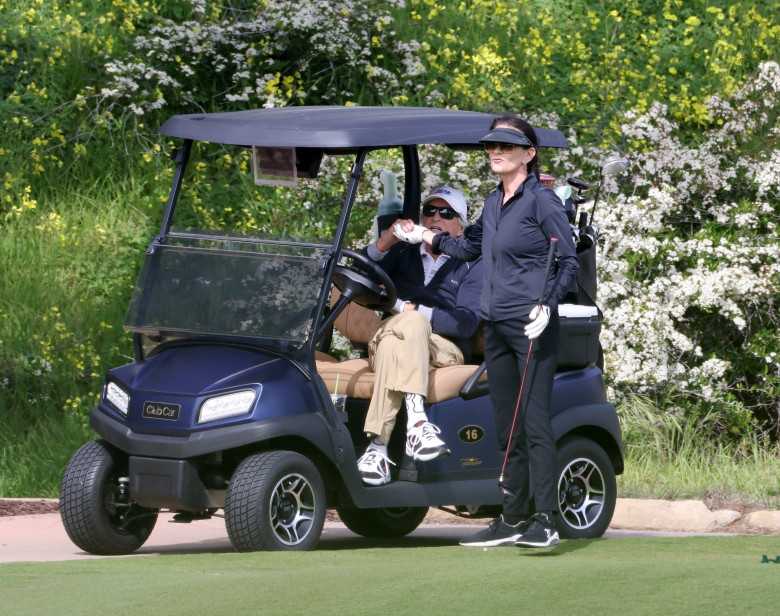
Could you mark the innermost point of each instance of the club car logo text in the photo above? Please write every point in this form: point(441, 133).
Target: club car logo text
point(159, 410)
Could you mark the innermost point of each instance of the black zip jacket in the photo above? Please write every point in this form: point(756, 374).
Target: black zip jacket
point(514, 240)
point(453, 292)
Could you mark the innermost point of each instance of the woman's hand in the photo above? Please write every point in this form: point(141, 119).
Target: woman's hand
point(540, 317)
point(413, 235)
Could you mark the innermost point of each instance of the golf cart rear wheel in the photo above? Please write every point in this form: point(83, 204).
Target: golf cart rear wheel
point(95, 504)
point(385, 523)
point(275, 501)
point(587, 489)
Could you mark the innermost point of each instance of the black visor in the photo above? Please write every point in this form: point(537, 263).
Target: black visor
point(508, 135)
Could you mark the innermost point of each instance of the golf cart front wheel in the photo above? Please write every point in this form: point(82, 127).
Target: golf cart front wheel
point(96, 509)
point(385, 523)
point(275, 501)
point(587, 489)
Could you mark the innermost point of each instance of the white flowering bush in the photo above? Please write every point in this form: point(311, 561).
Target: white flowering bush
point(689, 255)
point(262, 54)
point(689, 258)
point(690, 261)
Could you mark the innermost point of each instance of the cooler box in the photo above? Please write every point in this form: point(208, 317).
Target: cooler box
point(580, 329)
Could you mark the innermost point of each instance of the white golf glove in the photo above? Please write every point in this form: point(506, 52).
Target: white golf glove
point(539, 320)
point(412, 237)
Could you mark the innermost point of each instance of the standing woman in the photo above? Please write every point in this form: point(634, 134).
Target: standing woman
point(513, 234)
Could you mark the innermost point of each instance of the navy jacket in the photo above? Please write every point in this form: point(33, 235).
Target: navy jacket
point(453, 292)
point(514, 240)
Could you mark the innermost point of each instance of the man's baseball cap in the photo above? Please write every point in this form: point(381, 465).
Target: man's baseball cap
point(453, 197)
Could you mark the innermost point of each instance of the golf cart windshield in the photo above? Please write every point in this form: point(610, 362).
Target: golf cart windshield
point(229, 286)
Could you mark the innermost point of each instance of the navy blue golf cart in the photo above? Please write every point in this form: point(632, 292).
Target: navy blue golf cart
point(228, 408)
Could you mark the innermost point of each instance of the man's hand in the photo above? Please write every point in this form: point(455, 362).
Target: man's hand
point(389, 237)
point(385, 241)
point(540, 317)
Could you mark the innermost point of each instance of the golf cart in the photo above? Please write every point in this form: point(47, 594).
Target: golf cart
point(229, 404)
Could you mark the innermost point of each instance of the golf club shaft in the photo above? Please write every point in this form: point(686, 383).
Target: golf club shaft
point(550, 255)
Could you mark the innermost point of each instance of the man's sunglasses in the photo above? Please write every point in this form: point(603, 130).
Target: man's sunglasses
point(447, 213)
point(505, 147)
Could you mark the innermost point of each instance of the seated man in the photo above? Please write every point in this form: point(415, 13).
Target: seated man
point(434, 320)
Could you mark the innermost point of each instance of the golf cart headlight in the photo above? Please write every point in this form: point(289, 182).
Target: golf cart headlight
point(229, 405)
point(117, 397)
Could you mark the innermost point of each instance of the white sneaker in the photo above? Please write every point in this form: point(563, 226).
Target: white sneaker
point(374, 467)
point(423, 444)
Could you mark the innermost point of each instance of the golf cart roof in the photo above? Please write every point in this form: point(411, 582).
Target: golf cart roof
point(342, 128)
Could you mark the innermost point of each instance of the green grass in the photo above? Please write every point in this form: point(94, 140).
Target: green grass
point(31, 465)
point(714, 477)
point(62, 305)
point(672, 456)
point(695, 575)
point(73, 224)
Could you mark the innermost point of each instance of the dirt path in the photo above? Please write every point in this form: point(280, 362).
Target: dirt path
point(31, 531)
point(28, 506)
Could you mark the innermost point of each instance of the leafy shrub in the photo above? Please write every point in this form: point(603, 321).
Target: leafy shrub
point(688, 91)
point(260, 54)
point(690, 268)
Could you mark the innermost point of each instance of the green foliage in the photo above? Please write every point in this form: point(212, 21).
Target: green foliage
point(62, 304)
point(590, 62)
point(672, 456)
point(690, 267)
point(32, 459)
point(84, 86)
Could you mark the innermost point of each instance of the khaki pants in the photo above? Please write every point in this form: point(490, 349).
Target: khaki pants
point(401, 352)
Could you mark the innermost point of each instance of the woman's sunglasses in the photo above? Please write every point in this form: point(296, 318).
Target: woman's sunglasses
point(505, 147)
point(447, 213)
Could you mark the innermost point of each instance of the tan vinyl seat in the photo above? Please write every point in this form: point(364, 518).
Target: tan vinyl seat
point(355, 378)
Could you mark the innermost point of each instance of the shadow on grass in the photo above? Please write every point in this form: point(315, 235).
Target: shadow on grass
point(341, 539)
point(365, 543)
point(443, 538)
point(566, 546)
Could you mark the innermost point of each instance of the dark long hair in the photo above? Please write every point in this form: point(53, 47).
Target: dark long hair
point(524, 127)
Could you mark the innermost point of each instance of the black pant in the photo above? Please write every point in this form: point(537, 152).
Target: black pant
point(532, 455)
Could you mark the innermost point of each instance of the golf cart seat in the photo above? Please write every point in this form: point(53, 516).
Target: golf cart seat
point(355, 378)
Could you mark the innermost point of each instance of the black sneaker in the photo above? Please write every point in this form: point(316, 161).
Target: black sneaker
point(541, 533)
point(497, 533)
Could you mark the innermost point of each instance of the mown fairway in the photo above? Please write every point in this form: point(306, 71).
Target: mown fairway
point(695, 575)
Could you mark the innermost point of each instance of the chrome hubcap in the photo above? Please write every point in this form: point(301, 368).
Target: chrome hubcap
point(581, 493)
point(292, 509)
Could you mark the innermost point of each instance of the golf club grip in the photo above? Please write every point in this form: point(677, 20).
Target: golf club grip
point(550, 255)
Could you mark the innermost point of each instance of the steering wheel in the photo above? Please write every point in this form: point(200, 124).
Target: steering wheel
point(362, 282)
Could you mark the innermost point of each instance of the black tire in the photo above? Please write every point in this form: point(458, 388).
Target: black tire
point(384, 523)
point(587, 489)
point(95, 505)
point(275, 501)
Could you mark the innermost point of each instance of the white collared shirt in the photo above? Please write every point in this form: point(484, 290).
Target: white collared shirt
point(431, 265)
